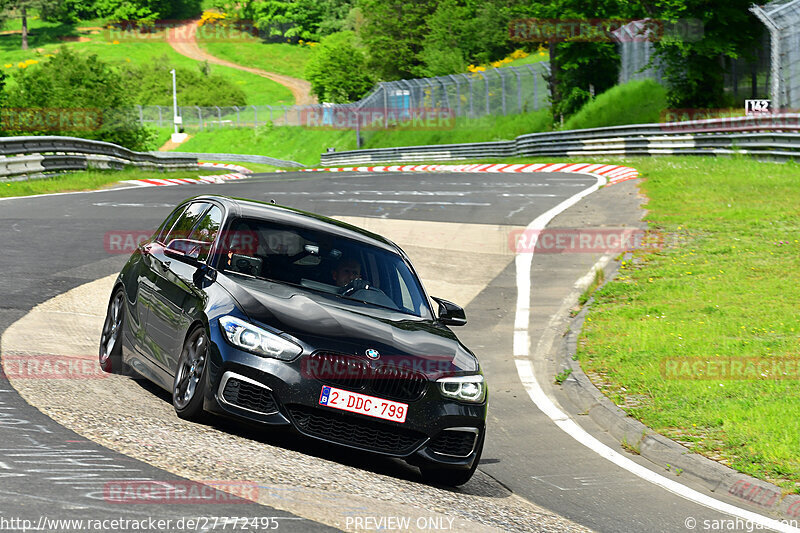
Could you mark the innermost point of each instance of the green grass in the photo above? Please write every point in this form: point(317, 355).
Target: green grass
point(636, 102)
point(259, 90)
point(305, 145)
point(90, 180)
point(282, 142)
point(725, 287)
point(282, 58)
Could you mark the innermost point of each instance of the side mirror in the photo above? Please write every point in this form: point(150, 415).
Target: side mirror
point(186, 250)
point(450, 314)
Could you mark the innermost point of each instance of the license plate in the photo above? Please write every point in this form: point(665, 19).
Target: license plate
point(363, 404)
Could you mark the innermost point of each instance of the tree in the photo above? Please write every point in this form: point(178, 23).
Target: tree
point(338, 69)
point(393, 33)
point(21, 8)
point(693, 65)
point(69, 85)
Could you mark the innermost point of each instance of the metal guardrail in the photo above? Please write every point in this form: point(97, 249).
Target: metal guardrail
point(241, 158)
point(30, 156)
point(773, 136)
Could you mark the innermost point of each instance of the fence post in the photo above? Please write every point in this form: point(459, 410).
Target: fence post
point(237, 115)
point(519, 88)
point(458, 94)
point(200, 117)
point(219, 115)
point(255, 116)
point(471, 106)
point(502, 88)
point(535, 87)
point(141, 116)
point(486, 84)
point(159, 116)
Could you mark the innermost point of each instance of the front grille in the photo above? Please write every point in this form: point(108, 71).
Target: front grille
point(351, 372)
point(338, 369)
point(352, 431)
point(454, 443)
point(249, 396)
point(398, 383)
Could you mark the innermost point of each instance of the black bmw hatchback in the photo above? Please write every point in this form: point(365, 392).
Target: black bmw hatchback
point(286, 318)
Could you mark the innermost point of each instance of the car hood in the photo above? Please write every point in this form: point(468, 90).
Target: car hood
point(330, 323)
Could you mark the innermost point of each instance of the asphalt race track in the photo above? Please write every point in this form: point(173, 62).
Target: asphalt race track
point(56, 243)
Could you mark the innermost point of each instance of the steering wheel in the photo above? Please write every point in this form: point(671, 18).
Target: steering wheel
point(356, 285)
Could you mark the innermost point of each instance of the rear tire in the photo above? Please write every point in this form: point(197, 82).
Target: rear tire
point(451, 477)
point(189, 385)
point(110, 356)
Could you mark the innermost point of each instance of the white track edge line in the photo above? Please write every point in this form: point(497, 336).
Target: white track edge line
point(562, 420)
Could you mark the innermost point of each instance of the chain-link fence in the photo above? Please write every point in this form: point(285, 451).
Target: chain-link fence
point(636, 50)
point(782, 20)
point(498, 91)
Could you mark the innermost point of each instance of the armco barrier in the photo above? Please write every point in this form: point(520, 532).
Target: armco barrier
point(30, 156)
point(772, 136)
point(241, 158)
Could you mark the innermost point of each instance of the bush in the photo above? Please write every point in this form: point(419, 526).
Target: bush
point(151, 84)
point(76, 87)
point(635, 102)
point(338, 69)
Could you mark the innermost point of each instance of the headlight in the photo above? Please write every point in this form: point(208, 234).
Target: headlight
point(464, 388)
point(256, 340)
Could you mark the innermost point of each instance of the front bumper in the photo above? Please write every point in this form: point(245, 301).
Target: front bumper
point(269, 391)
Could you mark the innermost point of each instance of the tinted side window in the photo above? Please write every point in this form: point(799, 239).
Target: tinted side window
point(183, 227)
point(162, 232)
point(206, 231)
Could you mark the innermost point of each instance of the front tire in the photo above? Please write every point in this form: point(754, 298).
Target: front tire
point(189, 386)
point(110, 356)
point(451, 477)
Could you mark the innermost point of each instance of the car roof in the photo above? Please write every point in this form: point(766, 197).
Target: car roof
point(243, 207)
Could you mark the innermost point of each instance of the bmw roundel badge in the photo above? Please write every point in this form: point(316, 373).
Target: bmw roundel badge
point(373, 353)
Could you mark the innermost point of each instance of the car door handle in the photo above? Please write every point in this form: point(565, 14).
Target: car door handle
point(165, 265)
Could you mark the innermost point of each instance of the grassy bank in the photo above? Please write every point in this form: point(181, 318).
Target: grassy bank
point(47, 37)
point(305, 145)
point(725, 288)
point(89, 180)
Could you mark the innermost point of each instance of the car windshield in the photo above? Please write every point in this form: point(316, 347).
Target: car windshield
point(322, 262)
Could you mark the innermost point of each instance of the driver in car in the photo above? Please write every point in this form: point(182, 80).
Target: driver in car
point(348, 273)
